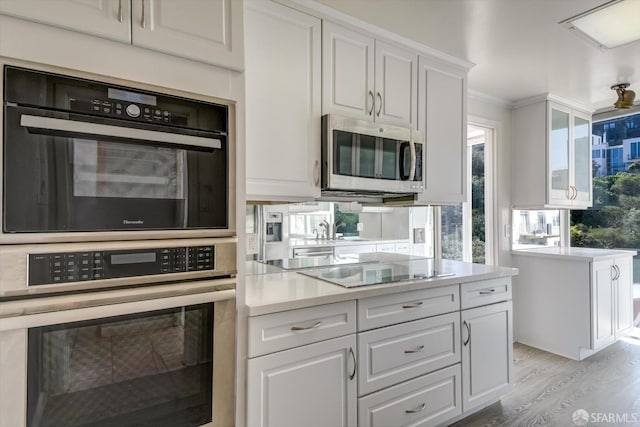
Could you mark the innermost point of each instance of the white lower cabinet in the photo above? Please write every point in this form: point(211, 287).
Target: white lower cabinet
point(424, 401)
point(487, 354)
point(573, 301)
point(311, 386)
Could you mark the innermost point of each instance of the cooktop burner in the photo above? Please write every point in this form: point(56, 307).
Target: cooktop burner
point(313, 262)
point(374, 274)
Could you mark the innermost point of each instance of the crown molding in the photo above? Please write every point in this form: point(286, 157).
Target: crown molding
point(490, 99)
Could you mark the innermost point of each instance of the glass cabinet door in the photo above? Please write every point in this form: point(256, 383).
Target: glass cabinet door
point(559, 155)
point(582, 158)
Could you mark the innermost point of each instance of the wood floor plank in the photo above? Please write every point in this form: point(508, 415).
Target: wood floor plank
point(550, 388)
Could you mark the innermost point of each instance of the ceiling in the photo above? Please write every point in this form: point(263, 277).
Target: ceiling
point(518, 46)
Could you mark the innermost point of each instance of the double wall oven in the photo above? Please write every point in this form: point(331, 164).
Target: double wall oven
point(117, 254)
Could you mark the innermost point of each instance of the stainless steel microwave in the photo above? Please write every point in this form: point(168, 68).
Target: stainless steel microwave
point(96, 160)
point(370, 158)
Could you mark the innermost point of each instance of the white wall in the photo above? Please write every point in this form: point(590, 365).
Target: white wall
point(492, 112)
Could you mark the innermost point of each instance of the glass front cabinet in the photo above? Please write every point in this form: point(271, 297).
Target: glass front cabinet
point(552, 154)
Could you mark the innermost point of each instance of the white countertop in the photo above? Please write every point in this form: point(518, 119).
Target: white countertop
point(270, 293)
point(580, 254)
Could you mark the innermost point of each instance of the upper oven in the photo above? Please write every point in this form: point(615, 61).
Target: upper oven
point(87, 160)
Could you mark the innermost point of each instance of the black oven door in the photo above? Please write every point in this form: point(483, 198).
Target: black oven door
point(65, 173)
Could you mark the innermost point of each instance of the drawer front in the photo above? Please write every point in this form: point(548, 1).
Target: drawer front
point(387, 310)
point(425, 401)
point(475, 294)
point(397, 353)
point(288, 329)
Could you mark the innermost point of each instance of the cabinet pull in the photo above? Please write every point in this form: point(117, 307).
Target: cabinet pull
point(416, 410)
point(412, 305)
point(489, 292)
point(373, 103)
point(616, 271)
point(120, 18)
point(417, 350)
point(379, 106)
point(355, 364)
point(466, 325)
point(306, 328)
point(142, 23)
point(568, 192)
point(316, 173)
point(574, 190)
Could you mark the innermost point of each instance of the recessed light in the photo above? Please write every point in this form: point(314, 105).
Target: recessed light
point(609, 25)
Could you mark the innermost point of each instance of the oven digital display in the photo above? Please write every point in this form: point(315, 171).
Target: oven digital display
point(134, 258)
point(125, 95)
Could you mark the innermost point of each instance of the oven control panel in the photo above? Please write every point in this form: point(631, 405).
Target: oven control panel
point(63, 267)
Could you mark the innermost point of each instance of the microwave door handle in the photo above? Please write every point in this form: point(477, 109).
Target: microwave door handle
point(412, 167)
point(96, 129)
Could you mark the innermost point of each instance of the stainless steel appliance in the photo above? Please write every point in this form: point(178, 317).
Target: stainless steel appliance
point(161, 357)
point(274, 232)
point(117, 255)
point(92, 160)
point(363, 157)
point(40, 269)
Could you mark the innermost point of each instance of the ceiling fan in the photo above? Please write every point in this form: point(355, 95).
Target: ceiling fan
point(625, 97)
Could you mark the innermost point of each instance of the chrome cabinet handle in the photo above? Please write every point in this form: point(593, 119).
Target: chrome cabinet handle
point(316, 173)
point(575, 192)
point(379, 106)
point(120, 18)
point(142, 23)
point(489, 292)
point(306, 328)
point(417, 350)
point(466, 325)
point(617, 272)
point(355, 364)
point(412, 305)
point(416, 410)
point(373, 103)
point(568, 192)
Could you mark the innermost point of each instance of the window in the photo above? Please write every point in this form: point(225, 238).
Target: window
point(614, 220)
point(466, 229)
point(535, 228)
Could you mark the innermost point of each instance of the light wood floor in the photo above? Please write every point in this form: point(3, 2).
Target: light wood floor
point(549, 388)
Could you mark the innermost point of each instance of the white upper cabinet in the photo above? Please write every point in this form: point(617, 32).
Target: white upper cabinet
point(206, 31)
point(283, 106)
point(367, 79)
point(552, 154)
point(442, 115)
point(104, 18)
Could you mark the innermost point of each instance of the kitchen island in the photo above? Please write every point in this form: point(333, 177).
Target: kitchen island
point(573, 301)
point(421, 351)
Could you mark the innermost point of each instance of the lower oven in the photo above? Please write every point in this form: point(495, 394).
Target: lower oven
point(160, 356)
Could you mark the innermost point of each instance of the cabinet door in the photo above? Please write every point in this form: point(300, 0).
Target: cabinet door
point(207, 31)
point(624, 294)
point(311, 386)
point(347, 72)
point(559, 156)
point(602, 304)
point(282, 85)
point(104, 18)
point(442, 116)
point(582, 168)
point(487, 354)
point(396, 81)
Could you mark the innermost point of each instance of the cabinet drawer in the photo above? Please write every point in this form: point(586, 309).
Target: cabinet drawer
point(387, 310)
point(287, 329)
point(397, 353)
point(475, 294)
point(425, 401)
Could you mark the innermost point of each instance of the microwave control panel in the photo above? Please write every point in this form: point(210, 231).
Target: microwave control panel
point(64, 267)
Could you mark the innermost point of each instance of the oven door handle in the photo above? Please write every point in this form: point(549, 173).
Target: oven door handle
point(97, 129)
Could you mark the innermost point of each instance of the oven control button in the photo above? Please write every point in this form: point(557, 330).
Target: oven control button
point(133, 110)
